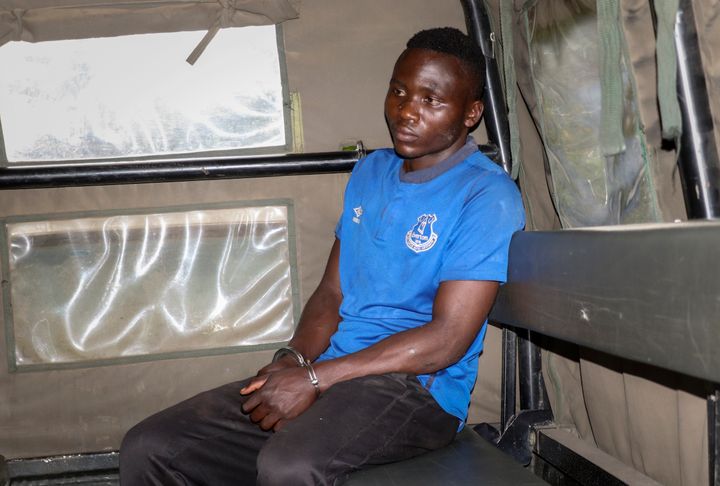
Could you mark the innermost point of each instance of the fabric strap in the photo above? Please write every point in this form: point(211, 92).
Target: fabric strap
point(670, 118)
point(48, 20)
point(612, 140)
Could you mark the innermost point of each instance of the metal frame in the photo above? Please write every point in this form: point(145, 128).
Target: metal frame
point(583, 463)
point(521, 375)
point(699, 159)
point(713, 405)
point(647, 293)
point(189, 169)
point(508, 377)
point(179, 170)
point(98, 468)
point(496, 122)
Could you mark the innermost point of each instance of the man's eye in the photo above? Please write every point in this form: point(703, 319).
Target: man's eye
point(397, 92)
point(432, 101)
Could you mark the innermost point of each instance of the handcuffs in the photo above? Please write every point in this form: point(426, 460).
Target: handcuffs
point(289, 350)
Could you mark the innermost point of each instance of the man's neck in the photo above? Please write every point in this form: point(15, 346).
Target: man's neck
point(423, 175)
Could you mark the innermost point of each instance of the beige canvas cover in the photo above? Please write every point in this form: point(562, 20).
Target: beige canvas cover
point(654, 422)
point(46, 20)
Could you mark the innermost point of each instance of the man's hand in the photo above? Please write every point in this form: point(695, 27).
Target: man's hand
point(282, 390)
point(278, 397)
point(281, 364)
point(261, 376)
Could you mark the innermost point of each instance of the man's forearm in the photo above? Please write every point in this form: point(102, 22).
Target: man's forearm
point(317, 324)
point(461, 309)
point(418, 351)
point(321, 315)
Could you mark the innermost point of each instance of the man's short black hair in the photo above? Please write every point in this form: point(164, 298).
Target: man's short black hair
point(449, 40)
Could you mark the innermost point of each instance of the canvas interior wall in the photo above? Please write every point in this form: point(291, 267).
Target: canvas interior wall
point(339, 57)
point(606, 400)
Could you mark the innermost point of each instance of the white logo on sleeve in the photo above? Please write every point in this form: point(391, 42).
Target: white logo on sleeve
point(421, 236)
point(358, 212)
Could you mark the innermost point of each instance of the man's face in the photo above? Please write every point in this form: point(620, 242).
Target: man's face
point(429, 106)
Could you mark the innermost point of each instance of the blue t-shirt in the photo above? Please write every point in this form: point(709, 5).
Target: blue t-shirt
point(401, 234)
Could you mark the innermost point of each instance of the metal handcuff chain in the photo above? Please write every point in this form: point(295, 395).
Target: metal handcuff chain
point(289, 350)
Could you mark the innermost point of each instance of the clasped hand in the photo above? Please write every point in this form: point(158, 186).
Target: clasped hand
point(278, 394)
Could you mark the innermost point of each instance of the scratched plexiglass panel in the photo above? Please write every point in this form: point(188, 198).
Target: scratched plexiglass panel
point(135, 96)
point(100, 288)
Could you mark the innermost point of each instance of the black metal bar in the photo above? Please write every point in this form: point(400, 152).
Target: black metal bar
point(519, 351)
point(576, 466)
point(699, 162)
point(478, 25)
point(508, 381)
point(713, 406)
point(59, 465)
point(178, 170)
point(31, 177)
point(531, 386)
point(4, 476)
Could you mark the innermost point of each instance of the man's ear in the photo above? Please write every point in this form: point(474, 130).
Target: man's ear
point(474, 113)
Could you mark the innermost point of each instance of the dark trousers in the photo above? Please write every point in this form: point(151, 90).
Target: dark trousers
point(207, 440)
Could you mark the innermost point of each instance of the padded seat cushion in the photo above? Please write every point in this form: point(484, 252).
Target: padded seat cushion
point(468, 460)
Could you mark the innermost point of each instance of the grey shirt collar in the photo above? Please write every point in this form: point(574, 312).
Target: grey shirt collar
point(425, 175)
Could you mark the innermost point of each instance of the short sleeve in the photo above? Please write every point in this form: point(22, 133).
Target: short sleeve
point(350, 190)
point(479, 243)
point(338, 227)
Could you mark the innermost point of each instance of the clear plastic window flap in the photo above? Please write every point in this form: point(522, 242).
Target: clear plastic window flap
point(148, 285)
point(590, 188)
point(70, 100)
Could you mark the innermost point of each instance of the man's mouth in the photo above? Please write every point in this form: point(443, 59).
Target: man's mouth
point(404, 134)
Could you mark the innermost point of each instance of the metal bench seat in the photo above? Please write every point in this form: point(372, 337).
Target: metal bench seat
point(469, 460)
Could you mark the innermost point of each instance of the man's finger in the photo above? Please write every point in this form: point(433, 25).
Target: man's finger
point(259, 414)
point(269, 421)
point(254, 385)
point(251, 403)
point(279, 425)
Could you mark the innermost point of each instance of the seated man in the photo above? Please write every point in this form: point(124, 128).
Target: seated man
point(385, 355)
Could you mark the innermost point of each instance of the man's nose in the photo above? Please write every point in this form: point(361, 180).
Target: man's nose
point(408, 110)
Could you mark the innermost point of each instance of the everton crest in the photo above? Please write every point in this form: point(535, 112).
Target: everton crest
point(421, 236)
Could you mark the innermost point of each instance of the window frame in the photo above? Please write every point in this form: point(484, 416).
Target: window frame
point(13, 366)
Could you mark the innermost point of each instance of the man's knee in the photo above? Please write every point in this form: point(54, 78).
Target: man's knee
point(282, 463)
point(143, 452)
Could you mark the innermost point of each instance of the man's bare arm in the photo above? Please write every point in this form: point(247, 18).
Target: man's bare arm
point(459, 310)
point(289, 393)
point(320, 317)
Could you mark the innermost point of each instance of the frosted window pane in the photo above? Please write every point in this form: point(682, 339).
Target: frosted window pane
point(102, 288)
point(136, 96)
